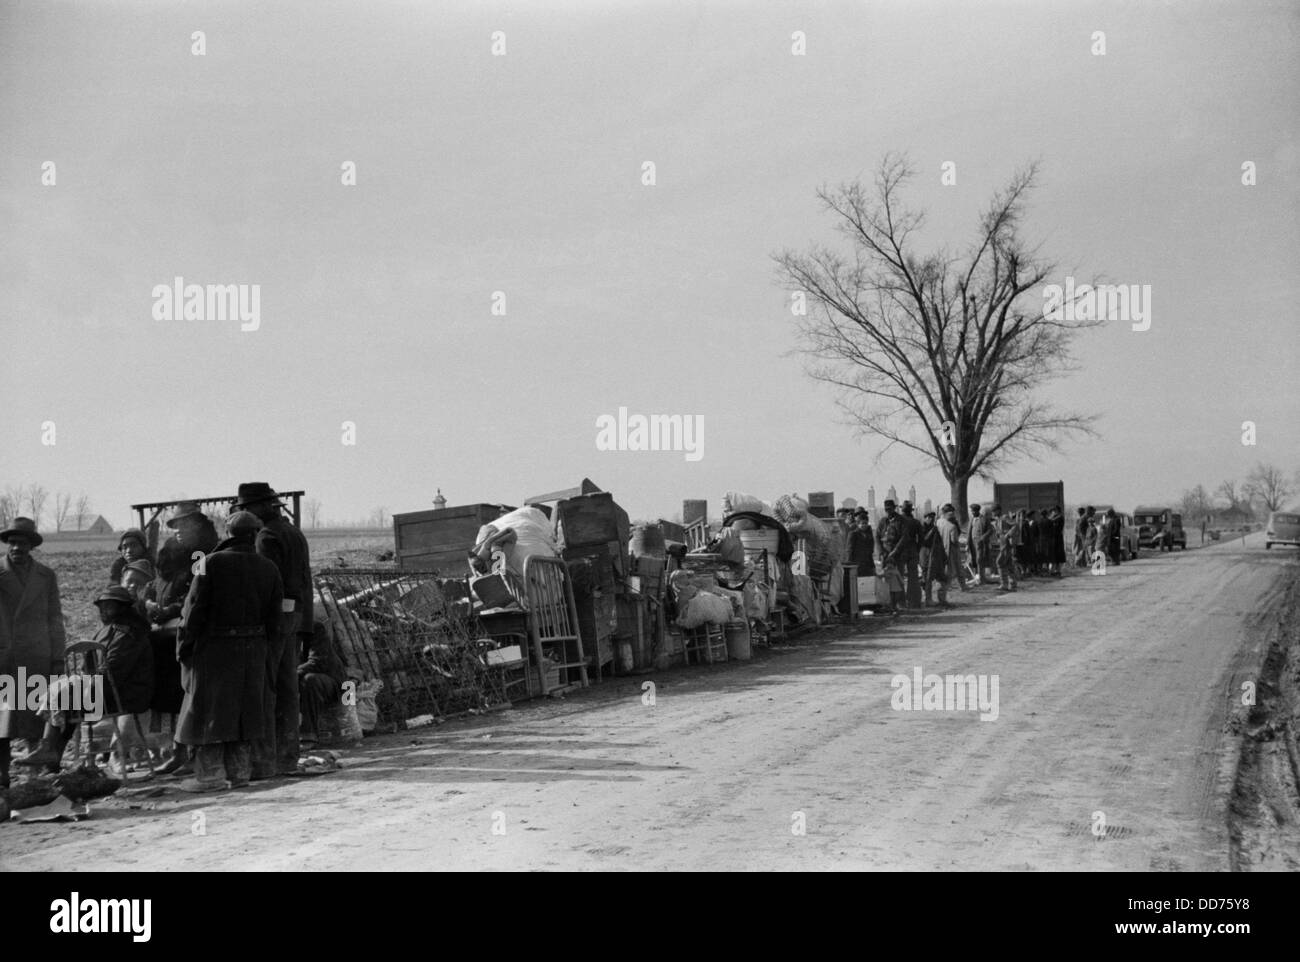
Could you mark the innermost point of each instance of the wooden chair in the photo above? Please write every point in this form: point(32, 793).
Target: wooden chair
point(708, 643)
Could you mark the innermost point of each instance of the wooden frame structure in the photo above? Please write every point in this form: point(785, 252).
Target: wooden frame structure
point(150, 527)
point(553, 618)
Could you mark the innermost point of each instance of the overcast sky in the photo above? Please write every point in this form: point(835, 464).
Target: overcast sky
point(522, 174)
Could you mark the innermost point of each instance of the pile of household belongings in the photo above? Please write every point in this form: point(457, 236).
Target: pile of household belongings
point(803, 571)
point(499, 553)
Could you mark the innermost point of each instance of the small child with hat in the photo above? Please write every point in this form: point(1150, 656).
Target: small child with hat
point(128, 662)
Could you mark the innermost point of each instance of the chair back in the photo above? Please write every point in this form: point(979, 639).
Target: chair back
point(550, 598)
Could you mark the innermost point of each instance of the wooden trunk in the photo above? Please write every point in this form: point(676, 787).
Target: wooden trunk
point(591, 519)
point(442, 538)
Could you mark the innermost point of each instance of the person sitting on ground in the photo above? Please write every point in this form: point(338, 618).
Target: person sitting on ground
point(128, 672)
point(320, 678)
point(132, 546)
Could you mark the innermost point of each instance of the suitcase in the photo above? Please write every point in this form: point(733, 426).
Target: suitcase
point(882, 591)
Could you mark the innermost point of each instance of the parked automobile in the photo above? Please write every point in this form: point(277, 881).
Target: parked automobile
point(1128, 531)
point(1283, 528)
point(1162, 524)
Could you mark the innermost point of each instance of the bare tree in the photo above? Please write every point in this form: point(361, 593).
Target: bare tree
point(379, 517)
point(10, 504)
point(914, 342)
point(62, 508)
point(1195, 503)
point(313, 512)
point(1268, 485)
point(37, 495)
point(82, 509)
point(1229, 491)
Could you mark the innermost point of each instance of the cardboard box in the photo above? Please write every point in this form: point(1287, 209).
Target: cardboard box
point(506, 655)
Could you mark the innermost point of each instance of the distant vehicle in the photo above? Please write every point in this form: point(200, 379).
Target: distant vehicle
point(1283, 528)
point(1128, 531)
point(1152, 522)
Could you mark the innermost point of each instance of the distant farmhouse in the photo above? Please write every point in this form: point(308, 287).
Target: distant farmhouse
point(86, 524)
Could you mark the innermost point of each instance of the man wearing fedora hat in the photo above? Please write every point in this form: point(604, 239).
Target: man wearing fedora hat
point(193, 528)
point(286, 546)
point(232, 619)
point(31, 629)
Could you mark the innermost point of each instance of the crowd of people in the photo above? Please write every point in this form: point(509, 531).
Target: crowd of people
point(214, 640)
point(919, 559)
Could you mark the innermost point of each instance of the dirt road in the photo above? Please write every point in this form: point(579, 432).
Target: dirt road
point(1112, 693)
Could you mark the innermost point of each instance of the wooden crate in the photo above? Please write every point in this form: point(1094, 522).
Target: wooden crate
point(821, 504)
point(634, 620)
point(441, 538)
point(606, 562)
point(591, 519)
point(596, 615)
point(650, 571)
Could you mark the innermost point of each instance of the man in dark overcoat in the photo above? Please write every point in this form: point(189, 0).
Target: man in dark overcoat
point(286, 546)
point(31, 631)
point(230, 623)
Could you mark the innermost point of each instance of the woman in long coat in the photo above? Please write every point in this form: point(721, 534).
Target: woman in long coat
point(31, 629)
point(1058, 541)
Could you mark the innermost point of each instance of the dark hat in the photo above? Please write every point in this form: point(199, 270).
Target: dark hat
point(929, 514)
point(889, 503)
point(185, 509)
point(255, 492)
point(243, 522)
point(948, 507)
point(115, 593)
point(861, 513)
point(25, 527)
point(132, 534)
point(142, 566)
point(975, 508)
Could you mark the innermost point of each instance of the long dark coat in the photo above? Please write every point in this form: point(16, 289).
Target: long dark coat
point(282, 543)
point(862, 549)
point(1044, 531)
point(934, 555)
point(31, 636)
point(169, 590)
point(231, 621)
point(1058, 540)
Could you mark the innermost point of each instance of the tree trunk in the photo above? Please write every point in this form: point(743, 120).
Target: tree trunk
point(958, 492)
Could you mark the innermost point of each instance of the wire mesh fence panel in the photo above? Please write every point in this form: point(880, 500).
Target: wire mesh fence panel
point(417, 633)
